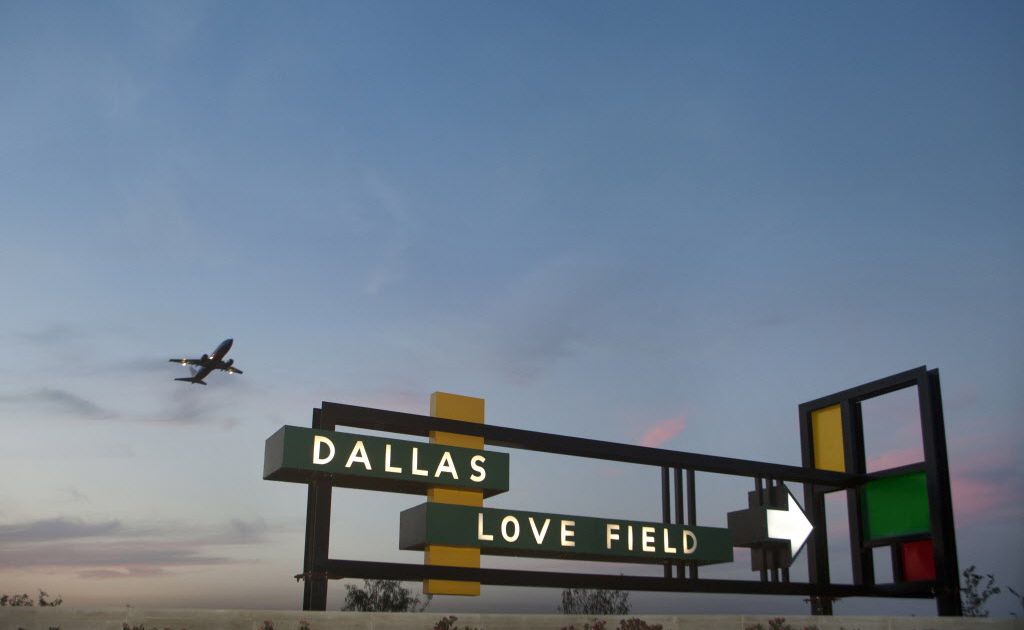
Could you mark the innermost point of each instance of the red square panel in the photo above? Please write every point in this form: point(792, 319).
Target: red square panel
point(918, 561)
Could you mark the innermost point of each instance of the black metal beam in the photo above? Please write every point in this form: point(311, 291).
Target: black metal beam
point(334, 414)
point(940, 498)
point(873, 389)
point(338, 569)
point(861, 557)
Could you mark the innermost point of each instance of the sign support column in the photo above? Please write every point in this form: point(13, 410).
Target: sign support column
point(940, 498)
point(464, 409)
point(318, 534)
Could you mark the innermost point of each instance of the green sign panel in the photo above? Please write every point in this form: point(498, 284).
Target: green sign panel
point(896, 506)
point(518, 533)
point(374, 463)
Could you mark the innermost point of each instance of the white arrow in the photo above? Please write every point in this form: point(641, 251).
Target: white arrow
point(790, 524)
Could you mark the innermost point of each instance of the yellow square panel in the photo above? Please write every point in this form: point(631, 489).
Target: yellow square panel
point(456, 407)
point(455, 496)
point(451, 587)
point(827, 434)
point(453, 556)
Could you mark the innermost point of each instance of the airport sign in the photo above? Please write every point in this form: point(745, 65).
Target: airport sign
point(538, 534)
point(300, 455)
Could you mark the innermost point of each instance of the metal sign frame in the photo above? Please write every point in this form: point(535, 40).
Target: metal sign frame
point(946, 587)
point(318, 567)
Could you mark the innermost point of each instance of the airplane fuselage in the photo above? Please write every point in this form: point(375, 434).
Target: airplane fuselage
point(221, 350)
point(210, 362)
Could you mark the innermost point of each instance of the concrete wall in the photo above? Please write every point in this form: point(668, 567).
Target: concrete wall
point(114, 619)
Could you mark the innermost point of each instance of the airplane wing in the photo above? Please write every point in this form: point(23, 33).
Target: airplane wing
point(234, 370)
point(192, 380)
point(187, 361)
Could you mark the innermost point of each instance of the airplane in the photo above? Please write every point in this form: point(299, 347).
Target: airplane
point(208, 363)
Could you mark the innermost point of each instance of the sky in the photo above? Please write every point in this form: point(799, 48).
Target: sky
point(659, 223)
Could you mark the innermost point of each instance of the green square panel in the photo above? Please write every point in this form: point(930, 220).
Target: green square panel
point(896, 506)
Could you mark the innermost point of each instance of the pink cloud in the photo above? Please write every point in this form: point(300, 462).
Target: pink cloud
point(986, 485)
point(662, 432)
point(977, 499)
point(133, 572)
point(896, 458)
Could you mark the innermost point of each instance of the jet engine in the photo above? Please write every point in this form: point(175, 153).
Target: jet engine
point(230, 362)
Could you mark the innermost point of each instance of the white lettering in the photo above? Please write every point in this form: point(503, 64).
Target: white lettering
point(474, 463)
point(358, 455)
point(665, 539)
point(318, 441)
point(568, 533)
point(480, 535)
point(647, 538)
point(417, 471)
point(612, 533)
point(539, 536)
point(629, 537)
point(505, 522)
point(446, 465)
point(689, 542)
point(387, 461)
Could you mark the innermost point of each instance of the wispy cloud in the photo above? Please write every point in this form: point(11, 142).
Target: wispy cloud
point(661, 432)
point(109, 549)
point(108, 554)
point(239, 532)
point(133, 571)
point(392, 220)
point(550, 314)
point(179, 406)
point(56, 529)
point(54, 335)
point(72, 494)
point(189, 406)
point(987, 486)
point(61, 401)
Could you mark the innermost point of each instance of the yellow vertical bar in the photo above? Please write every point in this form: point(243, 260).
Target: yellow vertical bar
point(827, 433)
point(464, 409)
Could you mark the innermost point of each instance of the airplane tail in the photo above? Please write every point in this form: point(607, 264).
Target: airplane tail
point(190, 380)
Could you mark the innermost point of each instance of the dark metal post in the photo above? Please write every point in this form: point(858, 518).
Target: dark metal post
point(861, 557)
point(814, 504)
point(677, 477)
point(933, 432)
point(307, 554)
point(318, 534)
point(691, 509)
point(759, 494)
point(897, 564)
point(666, 511)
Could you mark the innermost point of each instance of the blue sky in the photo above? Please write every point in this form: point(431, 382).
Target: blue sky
point(603, 218)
